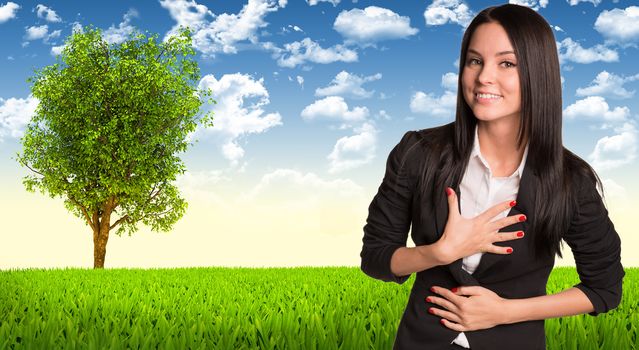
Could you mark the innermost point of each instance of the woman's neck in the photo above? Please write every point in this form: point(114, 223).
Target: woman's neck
point(498, 145)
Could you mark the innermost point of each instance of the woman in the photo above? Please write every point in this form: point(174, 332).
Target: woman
point(483, 261)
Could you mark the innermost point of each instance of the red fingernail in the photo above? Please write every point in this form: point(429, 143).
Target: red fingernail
point(520, 234)
point(522, 218)
point(430, 310)
point(454, 290)
point(428, 300)
point(442, 321)
point(432, 289)
point(512, 204)
point(509, 250)
point(448, 191)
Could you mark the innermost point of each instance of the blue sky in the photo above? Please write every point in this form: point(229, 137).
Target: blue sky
point(312, 95)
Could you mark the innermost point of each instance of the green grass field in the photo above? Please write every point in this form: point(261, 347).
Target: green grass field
point(241, 308)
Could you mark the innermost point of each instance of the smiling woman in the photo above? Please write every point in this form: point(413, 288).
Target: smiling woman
point(490, 81)
point(484, 250)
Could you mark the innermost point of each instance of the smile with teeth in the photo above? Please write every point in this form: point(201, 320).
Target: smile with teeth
point(487, 96)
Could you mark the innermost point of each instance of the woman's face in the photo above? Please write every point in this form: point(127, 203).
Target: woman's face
point(490, 80)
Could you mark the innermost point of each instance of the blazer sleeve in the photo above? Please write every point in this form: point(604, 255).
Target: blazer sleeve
point(596, 248)
point(389, 214)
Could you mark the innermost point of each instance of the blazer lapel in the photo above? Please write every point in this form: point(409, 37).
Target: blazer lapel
point(525, 205)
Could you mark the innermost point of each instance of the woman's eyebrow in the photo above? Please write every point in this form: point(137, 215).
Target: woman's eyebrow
point(501, 53)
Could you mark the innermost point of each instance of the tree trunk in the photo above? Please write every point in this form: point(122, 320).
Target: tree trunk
point(101, 233)
point(100, 240)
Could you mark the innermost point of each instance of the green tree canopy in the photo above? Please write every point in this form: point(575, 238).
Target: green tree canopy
point(111, 121)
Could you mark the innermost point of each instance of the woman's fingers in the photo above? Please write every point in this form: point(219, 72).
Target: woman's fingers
point(453, 208)
point(493, 211)
point(495, 249)
point(443, 302)
point(450, 316)
point(507, 221)
point(502, 237)
point(508, 236)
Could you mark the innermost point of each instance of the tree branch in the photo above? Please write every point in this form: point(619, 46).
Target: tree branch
point(161, 213)
point(151, 197)
point(84, 211)
point(157, 58)
point(30, 168)
point(122, 219)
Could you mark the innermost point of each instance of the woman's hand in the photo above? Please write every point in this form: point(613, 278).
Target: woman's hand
point(468, 308)
point(464, 237)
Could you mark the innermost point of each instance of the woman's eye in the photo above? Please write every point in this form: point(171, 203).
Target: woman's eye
point(474, 61)
point(508, 64)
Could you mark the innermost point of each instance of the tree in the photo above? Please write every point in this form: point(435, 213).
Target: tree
point(111, 120)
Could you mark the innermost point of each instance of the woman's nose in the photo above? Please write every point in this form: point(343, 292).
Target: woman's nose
point(486, 74)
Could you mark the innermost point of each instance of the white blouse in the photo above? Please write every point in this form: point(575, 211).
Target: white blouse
point(480, 190)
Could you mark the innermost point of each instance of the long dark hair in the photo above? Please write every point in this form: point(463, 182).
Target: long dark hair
point(541, 121)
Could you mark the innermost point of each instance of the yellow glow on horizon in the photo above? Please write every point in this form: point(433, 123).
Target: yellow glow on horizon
point(262, 232)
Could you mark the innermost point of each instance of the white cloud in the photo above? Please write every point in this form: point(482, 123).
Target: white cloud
point(283, 185)
point(575, 2)
point(225, 31)
point(334, 107)
point(347, 84)
point(619, 25)
point(8, 11)
point(608, 84)
point(614, 191)
point(300, 80)
point(54, 34)
point(232, 118)
point(382, 114)
point(77, 28)
point(300, 52)
point(442, 106)
point(15, 114)
point(429, 104)
point(295, 28)
point(119, 34)
point(617, 197)
point(614, 151)
point(204, 186)
point(596, 107)
point(48, 14)
point(354, 151)
point(533, 4)
point(315, 2)
point(570, 50)
point(449, 81)
point(56, 50)
point(443, 11)
point(371, 25)
point(37, 32)
point(187, 13)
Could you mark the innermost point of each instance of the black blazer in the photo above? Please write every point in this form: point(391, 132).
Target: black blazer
point(592, 238)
